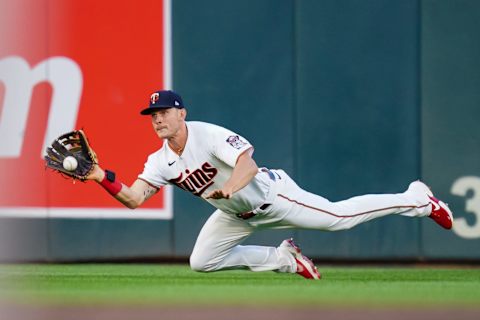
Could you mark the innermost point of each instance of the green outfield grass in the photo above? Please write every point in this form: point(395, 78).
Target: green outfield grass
point(149, 284)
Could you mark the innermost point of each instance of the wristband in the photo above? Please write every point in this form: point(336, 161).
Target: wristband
point(110, 184)
point(110, 175)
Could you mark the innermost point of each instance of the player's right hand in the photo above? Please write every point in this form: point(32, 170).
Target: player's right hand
point(219, 194)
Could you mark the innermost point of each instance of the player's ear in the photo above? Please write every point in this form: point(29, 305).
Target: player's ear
point(183, 113)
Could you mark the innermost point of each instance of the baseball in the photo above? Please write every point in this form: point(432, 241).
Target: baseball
point(70, 163)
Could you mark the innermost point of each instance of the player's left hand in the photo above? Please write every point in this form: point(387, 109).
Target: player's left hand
point(72, 144)
point(219, 194)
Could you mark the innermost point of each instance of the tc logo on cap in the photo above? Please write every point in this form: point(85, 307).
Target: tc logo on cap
point(154, 97)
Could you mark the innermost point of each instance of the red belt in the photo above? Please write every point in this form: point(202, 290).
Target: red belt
point(250, 214)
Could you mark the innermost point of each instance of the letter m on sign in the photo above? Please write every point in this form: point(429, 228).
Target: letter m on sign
point(60, 72)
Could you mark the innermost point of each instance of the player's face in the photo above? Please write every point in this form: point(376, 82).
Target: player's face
point(167, 122)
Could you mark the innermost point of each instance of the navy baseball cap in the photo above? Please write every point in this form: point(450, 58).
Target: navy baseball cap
point(163, 99)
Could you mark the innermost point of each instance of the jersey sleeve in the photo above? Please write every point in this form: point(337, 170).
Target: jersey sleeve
point(151, 173)
point(227, 145)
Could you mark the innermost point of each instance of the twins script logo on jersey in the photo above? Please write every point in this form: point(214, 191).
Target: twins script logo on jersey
point(236, 142)
point(198, 181)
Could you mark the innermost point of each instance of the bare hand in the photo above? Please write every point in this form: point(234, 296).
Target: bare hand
point(219, 194)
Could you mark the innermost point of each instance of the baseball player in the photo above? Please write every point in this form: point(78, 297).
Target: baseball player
point(216, 164)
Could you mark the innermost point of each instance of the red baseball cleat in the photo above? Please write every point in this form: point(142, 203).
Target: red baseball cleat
point(305, 266)
point(441, 214)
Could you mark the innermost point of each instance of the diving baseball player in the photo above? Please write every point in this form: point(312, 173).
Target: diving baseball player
point(216, 164)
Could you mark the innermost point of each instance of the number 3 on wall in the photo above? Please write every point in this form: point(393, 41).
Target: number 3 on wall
point(460, 188)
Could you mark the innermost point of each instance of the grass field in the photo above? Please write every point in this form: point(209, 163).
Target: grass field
point(177, 285)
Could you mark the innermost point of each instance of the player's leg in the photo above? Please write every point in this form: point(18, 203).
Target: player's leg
point(307, 210)
point(217, 247)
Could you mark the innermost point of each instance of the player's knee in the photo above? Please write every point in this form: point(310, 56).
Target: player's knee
point(199, 264)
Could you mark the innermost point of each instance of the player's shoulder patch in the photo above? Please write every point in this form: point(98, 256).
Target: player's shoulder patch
point(236, 142)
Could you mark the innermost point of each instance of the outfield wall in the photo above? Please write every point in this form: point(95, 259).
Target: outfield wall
point(348, 97)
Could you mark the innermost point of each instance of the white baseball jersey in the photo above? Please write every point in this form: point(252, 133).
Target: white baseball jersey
point(206, 163)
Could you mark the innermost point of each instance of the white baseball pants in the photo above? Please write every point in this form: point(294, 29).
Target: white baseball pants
point(217, 246)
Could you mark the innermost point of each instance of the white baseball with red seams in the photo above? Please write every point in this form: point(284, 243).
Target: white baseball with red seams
point(70, 163)
point(207, 162)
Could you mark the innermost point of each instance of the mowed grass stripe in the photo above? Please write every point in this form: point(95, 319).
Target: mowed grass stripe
point(131, 284)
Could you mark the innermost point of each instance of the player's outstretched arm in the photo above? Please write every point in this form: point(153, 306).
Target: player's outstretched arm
point(132, 197)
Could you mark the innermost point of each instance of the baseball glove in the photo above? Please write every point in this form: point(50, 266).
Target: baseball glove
point(74, 144)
